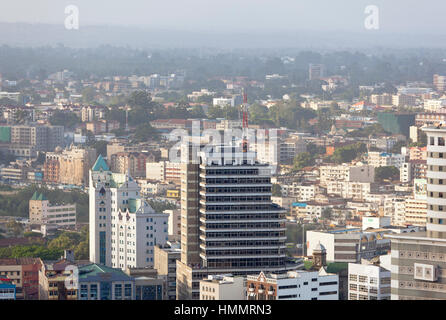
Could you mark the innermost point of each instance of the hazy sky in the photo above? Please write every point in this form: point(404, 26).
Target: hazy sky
point(401, 16)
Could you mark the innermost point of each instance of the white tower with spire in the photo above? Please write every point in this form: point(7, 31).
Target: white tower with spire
point(123, 227)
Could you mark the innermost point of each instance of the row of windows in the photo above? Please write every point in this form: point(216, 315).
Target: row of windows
point(257, 234)
point(440, 141)
point(238, 190)
point(235, 208)
point(228, 172)
point(237, 199)
point(238, 180)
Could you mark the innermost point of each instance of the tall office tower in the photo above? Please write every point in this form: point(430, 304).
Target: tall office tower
point(123, 227)
point(419, 259)
point(228, 222)
point(316, 71)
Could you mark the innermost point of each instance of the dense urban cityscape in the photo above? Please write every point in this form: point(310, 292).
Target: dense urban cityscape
point(211, 174)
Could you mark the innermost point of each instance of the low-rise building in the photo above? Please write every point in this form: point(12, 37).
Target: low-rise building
point(294, 285)
point(222, 287)
point(42, 212)
point(368, 281)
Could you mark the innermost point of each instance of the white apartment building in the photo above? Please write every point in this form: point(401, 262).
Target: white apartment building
point(302, 192)
point(384, 159)
point(367, 281)
point(349, 190)
point(174, 224)
point(433, 105)
point(406, 172)
point(123, 228)
point(294, 285)
point(345, 172)
point(222, 287)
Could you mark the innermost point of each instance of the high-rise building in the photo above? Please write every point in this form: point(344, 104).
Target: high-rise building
point(419, 259)
point(228, 221)
point(26, 140)
point(316, 71)
point(123, 227)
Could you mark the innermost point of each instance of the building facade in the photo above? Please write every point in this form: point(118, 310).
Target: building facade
point(123, 227)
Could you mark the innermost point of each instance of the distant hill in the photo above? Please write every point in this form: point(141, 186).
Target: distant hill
point(22, 34)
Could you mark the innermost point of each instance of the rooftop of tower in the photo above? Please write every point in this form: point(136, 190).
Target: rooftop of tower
point(100, 164)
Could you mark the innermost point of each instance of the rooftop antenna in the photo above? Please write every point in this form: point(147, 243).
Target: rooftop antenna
point(245, 121)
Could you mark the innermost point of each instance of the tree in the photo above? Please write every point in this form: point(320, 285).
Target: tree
point(303, 160)
point(348, 153)
point(88, 94)
point(66, 119)
point(14, 227)
point(139, 98)
point(386, 173)
point(145, 132)
point(327, 213)
point(100, 146)
point(276, 190)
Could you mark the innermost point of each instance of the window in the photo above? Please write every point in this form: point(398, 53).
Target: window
point(432, 141)
point(441, 141)
point(118, 291)
point(128, 291)
point(84, 292)
point(93, 291)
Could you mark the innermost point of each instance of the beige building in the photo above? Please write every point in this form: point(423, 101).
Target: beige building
point(165, 263)
point(132, 162)
point(69, 166)
point(164, 171)
point(221, 287)
point(54, 216)
point(416, 212)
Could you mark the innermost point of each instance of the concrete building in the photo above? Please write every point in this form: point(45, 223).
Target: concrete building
point(164, 171)
point(99, 282)
point(130, 162)
point(222, 287)
point(123, 227)
point(53, 216)
point(165, 263)
point(7, 290)
point(349, 245)
point(439, 82)
point(24, 275)
point(384, 159)
point(52, 276)
point(316, 71)
point(174, 224)
point(368, 281)
point(419, 258)
point(36, 137)
point(69, 166)
point(345, 172)
point(294, 285)
point(228, 221)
